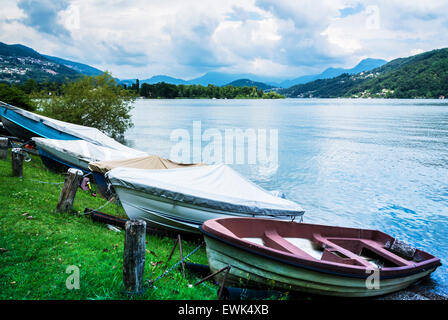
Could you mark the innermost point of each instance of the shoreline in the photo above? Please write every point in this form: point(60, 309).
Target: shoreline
point(57, 240)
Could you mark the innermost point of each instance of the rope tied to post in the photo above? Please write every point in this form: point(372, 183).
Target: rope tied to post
point(21, 151)
point(46, 182)
point(89, 212)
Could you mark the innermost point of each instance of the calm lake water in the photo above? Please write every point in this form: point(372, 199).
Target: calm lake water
point(377, 164)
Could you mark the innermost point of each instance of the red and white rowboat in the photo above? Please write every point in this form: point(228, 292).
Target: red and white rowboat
point(317, 259)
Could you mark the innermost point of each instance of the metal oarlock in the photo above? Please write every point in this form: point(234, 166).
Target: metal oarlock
point(227, 269)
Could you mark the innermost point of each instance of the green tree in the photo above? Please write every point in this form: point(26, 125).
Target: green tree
point(29, 86)
point(95, 102)
point(272, 95)
point(15, 97)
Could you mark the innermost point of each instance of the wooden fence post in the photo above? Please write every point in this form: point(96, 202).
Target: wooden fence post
point(3, 148)
point(69, 189)
point(134, 255)
point(17, 162)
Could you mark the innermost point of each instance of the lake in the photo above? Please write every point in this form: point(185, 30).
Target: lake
point(377, 164)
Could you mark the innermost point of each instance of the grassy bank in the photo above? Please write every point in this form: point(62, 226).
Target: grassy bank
point(38, 244)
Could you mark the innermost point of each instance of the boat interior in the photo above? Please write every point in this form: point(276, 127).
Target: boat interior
point(348, 246)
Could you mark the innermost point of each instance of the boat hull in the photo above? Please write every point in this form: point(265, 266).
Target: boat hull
point(53, 164)
point(57, 164)
point(101, 184)
point(17, 131)
point(167, 214)
point(56, 160)
point(3, 130)
point(252, 270)
point(24, 128)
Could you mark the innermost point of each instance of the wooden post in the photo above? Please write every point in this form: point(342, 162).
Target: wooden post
point(3, 148)
point(134, 255)
point(17, 162)
point(69, 189)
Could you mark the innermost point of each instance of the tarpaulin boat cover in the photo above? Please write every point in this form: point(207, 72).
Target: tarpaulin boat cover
point(84, 150)
point(147, 162)
point(215, 186)
point(89, 134)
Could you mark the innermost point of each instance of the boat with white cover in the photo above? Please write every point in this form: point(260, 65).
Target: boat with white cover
point(181, 200)
point(78, 153)
point(100, 168)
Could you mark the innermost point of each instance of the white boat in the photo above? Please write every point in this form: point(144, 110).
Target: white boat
point(78, 153)
point(181, 200)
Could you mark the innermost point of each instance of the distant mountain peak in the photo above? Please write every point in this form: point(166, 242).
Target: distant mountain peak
point(364, 65)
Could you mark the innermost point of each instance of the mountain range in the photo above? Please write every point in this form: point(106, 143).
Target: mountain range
point(420, 76)
point(214, 78)
point(365, 65)
point(19, 63)
point(221, 79)
point(79, 67)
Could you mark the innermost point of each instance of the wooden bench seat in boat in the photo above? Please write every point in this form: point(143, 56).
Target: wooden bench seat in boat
point(376, 248)
point(334, 248)
point(368, 244)
point(272, 239)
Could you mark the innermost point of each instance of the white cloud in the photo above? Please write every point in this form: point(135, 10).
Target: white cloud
point(10, 11)
point(140, 38)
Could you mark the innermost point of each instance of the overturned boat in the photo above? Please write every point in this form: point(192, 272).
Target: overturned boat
point(182, 199)
point(26, 125)
point(59, 154)
point(314, 259)
point(100, 168)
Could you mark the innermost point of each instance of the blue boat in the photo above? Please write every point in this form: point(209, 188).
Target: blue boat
point(25, 125)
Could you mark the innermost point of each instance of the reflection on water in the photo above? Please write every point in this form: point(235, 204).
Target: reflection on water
point(379, 164)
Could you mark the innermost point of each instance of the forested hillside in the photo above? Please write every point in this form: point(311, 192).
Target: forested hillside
point(421, 76)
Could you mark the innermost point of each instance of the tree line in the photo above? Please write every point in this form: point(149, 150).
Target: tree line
point(164, 90)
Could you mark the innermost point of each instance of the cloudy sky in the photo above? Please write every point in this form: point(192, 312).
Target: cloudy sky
point(187, 38)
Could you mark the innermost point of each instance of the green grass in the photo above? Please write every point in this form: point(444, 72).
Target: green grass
point(37, 251)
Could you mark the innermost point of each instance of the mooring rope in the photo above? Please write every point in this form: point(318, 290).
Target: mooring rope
point(99, 208)
point(46, 182)
point(151, 282)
